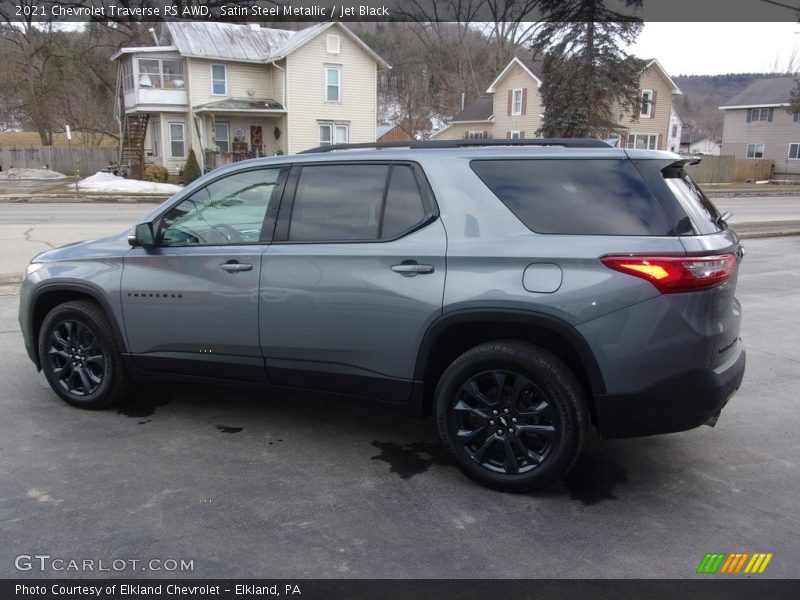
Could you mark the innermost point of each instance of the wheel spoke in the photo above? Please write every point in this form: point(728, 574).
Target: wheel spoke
point(529, 454)
point(56, 352)
point(520, 383)
point(474, 391)
point(462, 406)
point(466, 436)
point(96, 359)
point(546, 431)
point(510, 462)
point(57, 338)
point(65, 372)
point(499, 380)
point(543, 409)
point(87, 385)
point(480, 453)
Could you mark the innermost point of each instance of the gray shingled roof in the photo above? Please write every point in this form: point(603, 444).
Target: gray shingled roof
point(764, 91)
point(241, 104)
point(480, 110)
point(226, 40)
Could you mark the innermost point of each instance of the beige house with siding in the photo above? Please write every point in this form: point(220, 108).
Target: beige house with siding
point(757, 124)
point(232, 92)
point(512, 108)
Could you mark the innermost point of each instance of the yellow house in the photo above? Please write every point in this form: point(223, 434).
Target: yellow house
point(232, 92)
point(512, 108)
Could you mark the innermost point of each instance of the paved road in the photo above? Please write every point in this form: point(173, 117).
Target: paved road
point(763, 208)
point(247, 484)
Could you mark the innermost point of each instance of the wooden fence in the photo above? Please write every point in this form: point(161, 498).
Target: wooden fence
point(728, 169)
point(58, 158)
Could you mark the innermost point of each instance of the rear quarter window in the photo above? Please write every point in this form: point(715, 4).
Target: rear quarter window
point(575, 196)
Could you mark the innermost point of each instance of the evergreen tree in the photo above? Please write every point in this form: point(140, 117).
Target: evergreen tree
point(192, 169)
point(588, 78)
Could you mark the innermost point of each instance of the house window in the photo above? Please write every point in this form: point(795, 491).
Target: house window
point(333, 84)
point(674, 131)
point(643, 141)
point(222, 136)
point(755, 150)
point(794, 151)
point(796, 117)
point(334, 133)
point(177, 145)
point(759, 114)
point(155, 138)
point(161, 73)
point(334, 44)
point(477, 135)
point(516, 135)
point(127, 76)
point(219, 80)
point(647, 104)
point(516, 102)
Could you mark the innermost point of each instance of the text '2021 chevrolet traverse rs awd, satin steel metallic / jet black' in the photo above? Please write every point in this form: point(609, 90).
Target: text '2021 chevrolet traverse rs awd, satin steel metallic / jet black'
point(519, 291)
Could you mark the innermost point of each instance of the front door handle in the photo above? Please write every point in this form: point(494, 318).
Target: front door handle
point(236, 267)
point(412, 269)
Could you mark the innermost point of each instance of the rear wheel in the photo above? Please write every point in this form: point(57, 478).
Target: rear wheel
point(512, 415)
point(80, 356)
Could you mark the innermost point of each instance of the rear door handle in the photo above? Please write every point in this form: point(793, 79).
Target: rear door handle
point(236, 267)
point(411, 269)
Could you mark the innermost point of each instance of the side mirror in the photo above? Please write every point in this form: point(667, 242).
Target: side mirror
point(143, 236)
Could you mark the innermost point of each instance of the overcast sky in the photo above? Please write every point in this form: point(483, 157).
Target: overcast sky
point(717, 48)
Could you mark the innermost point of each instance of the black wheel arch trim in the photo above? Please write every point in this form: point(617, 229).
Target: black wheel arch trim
point(511, 315)
point(91, 290)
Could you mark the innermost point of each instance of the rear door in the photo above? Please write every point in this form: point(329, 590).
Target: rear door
point(353, 279)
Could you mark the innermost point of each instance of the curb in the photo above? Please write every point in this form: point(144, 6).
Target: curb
point(88, 199)
point(766, 229)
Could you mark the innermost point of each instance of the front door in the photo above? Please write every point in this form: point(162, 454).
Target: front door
point(190, 304)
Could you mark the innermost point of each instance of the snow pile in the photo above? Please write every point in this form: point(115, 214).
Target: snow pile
point(106, 183)
point(14, 173)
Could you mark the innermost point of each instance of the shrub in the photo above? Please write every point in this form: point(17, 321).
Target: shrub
point(192, 170)
point(156, 174)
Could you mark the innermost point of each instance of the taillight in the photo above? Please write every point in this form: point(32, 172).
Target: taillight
point(672, 274)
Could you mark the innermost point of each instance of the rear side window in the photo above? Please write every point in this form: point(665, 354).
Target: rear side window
point(338, 202)
point(352, 202)
point(703, 214)
point(575, 196)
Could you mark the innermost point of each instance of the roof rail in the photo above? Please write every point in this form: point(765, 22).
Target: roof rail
point(431, 144)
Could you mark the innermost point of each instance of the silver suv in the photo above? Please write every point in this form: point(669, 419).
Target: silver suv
point(517, 290)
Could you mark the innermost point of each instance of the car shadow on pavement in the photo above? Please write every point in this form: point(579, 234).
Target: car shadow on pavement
point(408, 446)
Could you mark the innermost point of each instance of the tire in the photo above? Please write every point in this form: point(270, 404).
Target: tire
point(80, 356)
point(512, 415)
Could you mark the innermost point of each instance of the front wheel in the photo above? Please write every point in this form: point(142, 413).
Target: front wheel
point(80, 357)
point(511, 414)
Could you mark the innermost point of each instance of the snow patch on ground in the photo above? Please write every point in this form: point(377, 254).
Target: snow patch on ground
point(15, 173)
point(106, 183)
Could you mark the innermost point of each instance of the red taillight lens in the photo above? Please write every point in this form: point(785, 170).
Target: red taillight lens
point(672, 274)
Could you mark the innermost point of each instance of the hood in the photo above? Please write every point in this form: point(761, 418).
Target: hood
point(113, 246)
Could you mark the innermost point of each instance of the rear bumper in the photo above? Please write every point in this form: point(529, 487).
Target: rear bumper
point(682, 402)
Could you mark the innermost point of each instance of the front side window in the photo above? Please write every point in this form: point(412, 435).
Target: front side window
point(222, 136)
point(219, 80)
point(177, 142)
point(228, 211)
point(755, 151)
point(516, 103)
point(333, 84)
point(794, 151)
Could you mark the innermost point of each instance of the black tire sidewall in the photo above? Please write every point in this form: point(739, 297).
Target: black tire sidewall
point(102, 396)
point(556, 382)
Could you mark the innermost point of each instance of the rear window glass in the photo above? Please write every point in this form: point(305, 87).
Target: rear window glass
point(584, 196)
point(703, 214)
